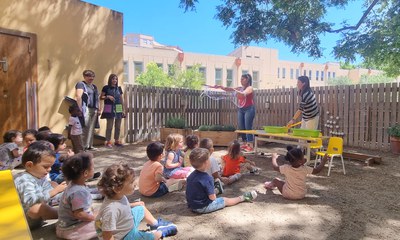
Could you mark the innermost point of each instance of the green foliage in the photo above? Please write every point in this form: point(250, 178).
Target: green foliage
point(394, 131)
point(347, 65)
point(376, 79)
point(339, 81)
point(226, 128)
point(154, 76)
point(175, 122)
point(301, 23)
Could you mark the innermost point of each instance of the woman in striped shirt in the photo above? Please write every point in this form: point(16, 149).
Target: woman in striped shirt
point(308, 109)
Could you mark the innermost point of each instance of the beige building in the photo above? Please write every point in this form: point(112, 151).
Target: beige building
point(44, 47)
point(263, 64)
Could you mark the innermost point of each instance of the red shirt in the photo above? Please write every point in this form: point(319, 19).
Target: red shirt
point(232, 166)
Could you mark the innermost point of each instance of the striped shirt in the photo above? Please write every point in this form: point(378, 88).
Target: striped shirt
point(308, 105)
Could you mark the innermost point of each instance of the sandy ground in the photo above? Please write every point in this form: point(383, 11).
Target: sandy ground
point(363, 204)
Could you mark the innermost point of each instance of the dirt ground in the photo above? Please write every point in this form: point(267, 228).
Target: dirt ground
point(363, 204)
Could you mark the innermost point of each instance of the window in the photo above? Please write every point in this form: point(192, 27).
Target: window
point(160, 65)
point(283, 72)
point(171, 70)
point(329, 75)
point(322, 75)
point(297, 73)
point(279, 72)
point(244, 72)
point(305, 73)
point(333, 75)
point(229, 77)
point(138, 69)
point(256, 80)
point(317, 75)
point(218, 76)
point(203, 71)
point(309, 74)
point(291, 73)
point(126, 72)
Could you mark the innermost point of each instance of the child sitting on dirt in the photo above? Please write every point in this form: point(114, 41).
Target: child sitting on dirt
point(215, 169)
point(295, 186)
point(151, 180)
point(119, 219)
point(10, 156)
point(174, 158)
point(192, 142)
point(33, 188)
point(200, 193)
point(75, 214)
point(234, 163)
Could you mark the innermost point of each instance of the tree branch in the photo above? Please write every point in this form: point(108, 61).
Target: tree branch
point(359, 22)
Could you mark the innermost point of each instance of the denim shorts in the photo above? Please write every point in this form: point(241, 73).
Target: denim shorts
point(215, 205)
point(138, 215)
point(161, 191)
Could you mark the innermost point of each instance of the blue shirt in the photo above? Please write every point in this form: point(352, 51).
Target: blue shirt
point(56, 168)
point(199, 186)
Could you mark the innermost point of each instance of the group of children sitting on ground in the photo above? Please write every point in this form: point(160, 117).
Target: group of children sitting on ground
point(168, 169)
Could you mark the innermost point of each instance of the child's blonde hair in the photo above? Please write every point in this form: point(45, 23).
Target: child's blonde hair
point(172, 141)
point(234, 149)
point(198, 157)
point(114, 177)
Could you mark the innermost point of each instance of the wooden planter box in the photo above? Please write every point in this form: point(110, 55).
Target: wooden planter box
point(164, 132)
point(219, 138)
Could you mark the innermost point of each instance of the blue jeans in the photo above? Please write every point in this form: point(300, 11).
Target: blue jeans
point(245, 120)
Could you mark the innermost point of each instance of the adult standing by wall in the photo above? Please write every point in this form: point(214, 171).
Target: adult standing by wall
point(113, 110)
point(246, 110)
point(87, 97)
point(308, 109)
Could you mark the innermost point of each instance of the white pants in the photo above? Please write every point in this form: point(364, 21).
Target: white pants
point(311, 124)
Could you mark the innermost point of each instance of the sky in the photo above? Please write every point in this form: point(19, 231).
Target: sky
point(200, 32)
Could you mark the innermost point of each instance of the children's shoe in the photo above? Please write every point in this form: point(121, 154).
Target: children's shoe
point(255, 171)
point(118, 144)
point(269, 185)
point(167, 231)
point(160, 223)
point(243, 146)
point(248, 149)
point(176, 186)
point(109, 144)
point(250, 196)
point(218, 186)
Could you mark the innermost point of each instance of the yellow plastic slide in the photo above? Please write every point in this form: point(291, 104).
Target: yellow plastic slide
point(13, 224)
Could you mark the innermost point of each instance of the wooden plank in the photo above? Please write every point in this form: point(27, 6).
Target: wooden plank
point(386, 115)
point(356, 116)
point(380, 114)
point(374, 116)
point(368, 159)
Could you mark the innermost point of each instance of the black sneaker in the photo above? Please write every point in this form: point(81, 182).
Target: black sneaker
point(218, 186)
point(167, 231)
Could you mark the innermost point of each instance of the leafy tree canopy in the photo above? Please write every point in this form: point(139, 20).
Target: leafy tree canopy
point(339, 81)
point(301, 23)
point(155, 76)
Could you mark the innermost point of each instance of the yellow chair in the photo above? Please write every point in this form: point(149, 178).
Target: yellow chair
point(335, 149)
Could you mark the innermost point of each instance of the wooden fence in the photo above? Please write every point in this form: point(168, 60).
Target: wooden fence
point(364, 111)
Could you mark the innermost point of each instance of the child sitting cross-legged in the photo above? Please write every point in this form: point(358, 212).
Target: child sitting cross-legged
point(294, 187)
point(32, 185)
point(200, 193)
point(214, 170)
point(119, 219)
point(75, 214)
point(174, 158)
point(151, 180)
point(234, 163)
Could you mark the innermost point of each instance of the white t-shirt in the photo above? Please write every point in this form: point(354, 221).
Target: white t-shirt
point(114, 216)
point(214, 166)
point(76, 127)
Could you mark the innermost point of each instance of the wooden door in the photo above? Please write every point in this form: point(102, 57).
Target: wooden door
point(16, 80)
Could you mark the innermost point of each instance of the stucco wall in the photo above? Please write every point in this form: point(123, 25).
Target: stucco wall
point(71, 36)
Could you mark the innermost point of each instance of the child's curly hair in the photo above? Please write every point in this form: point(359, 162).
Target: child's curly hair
point(114, 177)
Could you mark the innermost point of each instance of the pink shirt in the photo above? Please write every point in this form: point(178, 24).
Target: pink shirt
point(295, 181)
point(147, 179)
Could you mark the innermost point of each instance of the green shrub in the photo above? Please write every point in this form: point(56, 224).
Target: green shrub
point(175, 122)
point(226, 128)
point(394, 131)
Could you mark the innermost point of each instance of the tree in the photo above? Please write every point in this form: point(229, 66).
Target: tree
point(301, 23)
point(376, 79)
point(154, 76)
point(339, 81)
